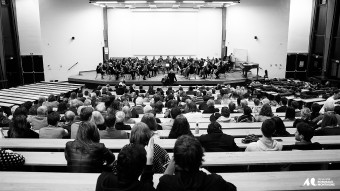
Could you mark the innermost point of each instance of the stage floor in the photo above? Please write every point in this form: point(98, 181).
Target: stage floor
point(89, 78)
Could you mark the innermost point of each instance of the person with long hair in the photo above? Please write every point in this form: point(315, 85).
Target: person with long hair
point(85, 153)
point(265, 113)
point(180, 127)
point(280, 128)
point(150, 120)
point(20, 128)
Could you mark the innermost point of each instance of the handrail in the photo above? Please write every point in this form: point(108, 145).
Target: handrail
point(72, 66)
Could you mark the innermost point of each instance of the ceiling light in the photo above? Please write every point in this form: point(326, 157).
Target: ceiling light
point(193, 1)
point(106, 2)
point(135, 2)
point(164, 1)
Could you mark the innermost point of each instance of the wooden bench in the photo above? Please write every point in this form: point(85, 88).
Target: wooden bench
point(16, 102)
point(21, 95)
point(117, 144)
point(57, 92)
point(17, 99)
point(215, 158)
point(26, 92)
point(294, 180)
point(2, 104)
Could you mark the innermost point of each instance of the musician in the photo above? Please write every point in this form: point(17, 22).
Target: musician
point(100, 70)
point(172, 77)
point(231, 60)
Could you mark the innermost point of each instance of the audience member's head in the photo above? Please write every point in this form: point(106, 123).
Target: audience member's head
point(158, 107)
point(150, 121)
point(295, 104)
point(244, 103)
point(247, 110)
point(139, 101)
point(266, 110)
point(127, 112)
point(120, 116)
point(88, 133)
point(192, 106)
point(329, 106)
point(86, 113)
point(131, 162)
point(110, 121)
point(97, 118)
point(53, 118)
point(305, 113)
point(315, 108)
point(284, 101)
point(175, 112)
point(268, 128)
point(225, 112)
point(20, 111)
point(69, 116)
point(304, 132)
point(188, 153)
point(147, 109)
point(210, 103)
point(256, 102)
point(232, 106)
point(42, 111)
point(51, 98)
point(180, 127)
point(140, 134)
point(280, 128)
point(214, 127)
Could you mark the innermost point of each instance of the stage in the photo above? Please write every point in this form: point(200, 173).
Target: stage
point(89, 78)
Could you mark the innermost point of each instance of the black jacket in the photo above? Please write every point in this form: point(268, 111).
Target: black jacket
point(211, 110)
point(87, 158)
point(218, 142)
point(109, 181)
point(122, 126)
point(282, 109)
point(197, 181)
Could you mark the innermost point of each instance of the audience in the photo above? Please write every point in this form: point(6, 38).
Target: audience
point(211, 107)
point(111, 132)
point(180, 127)
point(329, 125)
point(40, 120)
point(216, 140)
point(290, 114)
point(283, 106)
point(120, 117)
point(52, 131)
point(265, 113)
point(20, 128)
point(247, 116)
point(85, 116)
point(266, 143)
point(183, 171)
point(174, 112)
point(98, 119)
point(85, 153)
point(303, 135)
point(280, 128)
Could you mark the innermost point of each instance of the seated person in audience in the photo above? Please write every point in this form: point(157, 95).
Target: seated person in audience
point(211, 107)
point(151, 91)
point(280, 128)
point(329, 125)
point(141, 135)
point(73, 101)
point(303, 135)
point(174, 112)
point(330, 100)
point(149, 109)
point(265, 101)
point(191, 109)
point(128, 115)
point(247, 116)
point(238, 106)
point(111, 132)
point(133, 161)
point(315, 109)
point(266, 143)
point(232, 107)
point(150, 120)
point(337, 113)
point(296, 106)
point(51, 102)
point(328, 108)
point(257, 107)
point(265, 113)
point(218, 99)
point(191, 91)
point(33, 109)
point(85, 116)
point(120, 116)
point(52, 131)
point(20, 128)
point(62, 107)
point(139, 105)
point(69, 119)
point(141, 90)
point(10, 160)
point(169, 91)
point(98, 119)
point(225, 116)
point(216, 140)
point(158, 107)
point(183, 171)
point(85, 153)
point(181, 127)
point(290, 114)
point(283, 107)
point(203, 105)
point(4, 121)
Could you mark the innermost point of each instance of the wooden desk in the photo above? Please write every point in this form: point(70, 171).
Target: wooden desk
point(26, 92)
point(117, 144)
point(20, 95)
point(294, 180)
point(323, 102)
point(17, 99)
point(312, 100)
point(56, 92)
point(215, 158)
point(6, 104)
point(16, 102)
point(49, 87)
point(255, 125)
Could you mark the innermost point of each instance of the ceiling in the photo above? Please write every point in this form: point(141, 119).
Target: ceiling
point(158, 4)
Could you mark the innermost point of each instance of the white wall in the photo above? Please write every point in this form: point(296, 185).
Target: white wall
point(299, 25)
point(28, 19)
point(60, 21)
point(182, 32)
point(266, 19)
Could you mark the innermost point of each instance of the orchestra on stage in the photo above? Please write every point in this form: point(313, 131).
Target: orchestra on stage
point(146, 67)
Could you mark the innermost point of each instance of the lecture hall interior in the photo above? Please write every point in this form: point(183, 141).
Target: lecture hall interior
point(169, 95)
